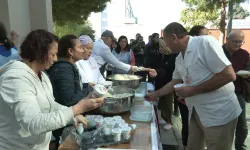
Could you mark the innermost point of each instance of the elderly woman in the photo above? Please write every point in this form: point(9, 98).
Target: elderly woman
point(28, 112)
point(7, 53)
point(88, 67)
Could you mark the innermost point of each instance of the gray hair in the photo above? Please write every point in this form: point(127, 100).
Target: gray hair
point(234, 32)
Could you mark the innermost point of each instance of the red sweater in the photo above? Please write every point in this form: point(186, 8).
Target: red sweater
point(239, 60)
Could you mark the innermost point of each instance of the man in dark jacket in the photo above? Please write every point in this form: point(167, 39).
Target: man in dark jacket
point(239, 58)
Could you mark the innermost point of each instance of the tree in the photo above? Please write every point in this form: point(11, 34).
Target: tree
point(230, 16)
point(206, 5)
point(75, 10)
point(192, 16)
point(240, 12)
point(74, 28)
point(235, 12)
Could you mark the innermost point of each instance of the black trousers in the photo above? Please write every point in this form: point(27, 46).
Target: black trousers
point(184, 118)
point(242, 128)
point(176, 105)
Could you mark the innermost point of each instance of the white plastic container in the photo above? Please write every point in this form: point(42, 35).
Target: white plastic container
point(150, 86)
point(117, 118)
point(139, 96)
point(99, 122)
point(122, 125)
point(106, 130)
point(106, 120)
point(139, 99)
point(99, 91)
point(126, 133)
point(116, 134)
point(141, 113)
point(178, 85)
point(80, 128)
point(110, 124)
point(133, 126)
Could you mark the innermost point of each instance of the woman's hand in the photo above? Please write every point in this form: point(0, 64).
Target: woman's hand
point(91, 104)
point(152, 72)
point(151, 96)
point(81, 119)
point(86, 105)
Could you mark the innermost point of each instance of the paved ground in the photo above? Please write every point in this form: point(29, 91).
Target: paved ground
point(173, 137)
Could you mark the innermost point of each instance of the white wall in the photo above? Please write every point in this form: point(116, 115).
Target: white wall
point(26, 15)
point(15, 15)
point(41, 14)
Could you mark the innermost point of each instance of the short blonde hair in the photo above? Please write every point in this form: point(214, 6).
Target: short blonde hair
point(163, 45)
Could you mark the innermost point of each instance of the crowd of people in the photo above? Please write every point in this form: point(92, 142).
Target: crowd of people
point(46, 83)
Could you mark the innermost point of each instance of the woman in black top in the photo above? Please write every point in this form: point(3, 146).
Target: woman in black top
point(163, 75)
point(67, 85)
point(153, 58)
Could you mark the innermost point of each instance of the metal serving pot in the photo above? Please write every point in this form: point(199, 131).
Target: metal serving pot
point(133, 83)
point(118, 105)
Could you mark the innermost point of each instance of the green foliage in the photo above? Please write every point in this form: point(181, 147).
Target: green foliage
point(202, 12)
point(209, 4)
point(240, 12)
point(191, 17)
point(75, 10)
point(204, 5)
point(74, 28)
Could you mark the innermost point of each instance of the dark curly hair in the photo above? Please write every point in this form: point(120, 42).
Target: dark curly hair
point(36, 45)
point(3, 37)
point(118, 49)
point(66, 42)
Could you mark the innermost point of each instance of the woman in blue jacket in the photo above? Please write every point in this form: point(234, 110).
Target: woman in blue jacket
point(7, 53)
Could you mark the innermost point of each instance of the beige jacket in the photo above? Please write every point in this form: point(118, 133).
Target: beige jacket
point(28, 112)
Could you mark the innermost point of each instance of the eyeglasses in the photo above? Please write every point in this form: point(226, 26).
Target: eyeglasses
point(238, 42)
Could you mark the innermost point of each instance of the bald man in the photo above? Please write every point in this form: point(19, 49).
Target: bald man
point(239, 59)
point(208, 90)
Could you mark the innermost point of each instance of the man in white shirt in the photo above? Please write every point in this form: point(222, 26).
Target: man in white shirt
point(102, 53)
point(208, 89)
